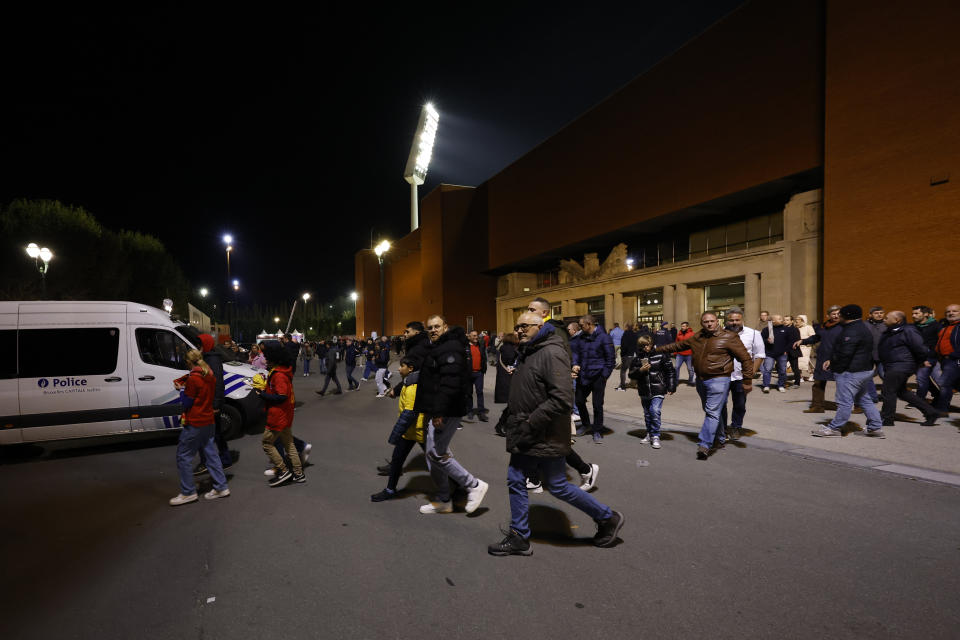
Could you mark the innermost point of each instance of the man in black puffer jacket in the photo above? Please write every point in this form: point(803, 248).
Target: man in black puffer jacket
point(852, 366)
point(442, 399)
point(538, 436)
point(900, 350)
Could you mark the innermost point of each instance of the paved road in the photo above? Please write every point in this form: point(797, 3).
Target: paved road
point(752, 543)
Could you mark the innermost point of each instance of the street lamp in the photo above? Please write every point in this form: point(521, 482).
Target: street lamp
point(419, 159)
point(354, 297)
point(305, 297)
point(381, 249)
point(39, 255)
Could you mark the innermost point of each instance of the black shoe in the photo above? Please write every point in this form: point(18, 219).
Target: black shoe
point(887, 423)
point(734, 433)
point(930, 421)
point(319, 393)
point(336, 393)
point(512, 545)
point(299, 478)
point(386, 494)
point(283, 478)
point(607, 530)
point(702, 453)
point(200, 470)
point(499, 431)
point(483, 417)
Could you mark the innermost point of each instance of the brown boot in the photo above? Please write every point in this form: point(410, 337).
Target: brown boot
point(818, 392)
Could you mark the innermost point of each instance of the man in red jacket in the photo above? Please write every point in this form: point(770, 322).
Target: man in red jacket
point(279, 399)
point(685, 356)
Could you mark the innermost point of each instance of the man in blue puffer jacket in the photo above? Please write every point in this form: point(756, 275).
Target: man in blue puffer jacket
point(593, 362)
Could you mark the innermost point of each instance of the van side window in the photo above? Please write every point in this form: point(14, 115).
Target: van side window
point(162, 348)
point(47, 353)
point(8, 354)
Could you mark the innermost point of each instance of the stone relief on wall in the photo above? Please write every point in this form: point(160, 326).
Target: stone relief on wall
point(571, 270)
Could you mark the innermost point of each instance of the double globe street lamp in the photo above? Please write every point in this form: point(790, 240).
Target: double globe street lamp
point(41, 257)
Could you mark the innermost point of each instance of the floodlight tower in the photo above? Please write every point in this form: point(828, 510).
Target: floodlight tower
point(419, 160)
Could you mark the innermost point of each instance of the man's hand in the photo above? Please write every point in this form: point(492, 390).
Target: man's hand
point(826, 365)
point(670, 393)
point(927, 363)
point(796, 345)
point(576, 368)
point(438, 424)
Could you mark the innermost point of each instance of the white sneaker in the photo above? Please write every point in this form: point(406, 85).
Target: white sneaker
point(475, 496)
point(381, 395)
point(590, 479)
point(182, 499)
point(781, 390)
point(655, 442)
point(534, 487)
point(765, 389)
point(213, 494)
point(306, 453)
point(645, 440)
point(437, 507)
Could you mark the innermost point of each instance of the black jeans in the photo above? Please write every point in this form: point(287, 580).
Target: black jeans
point(597, 387)
point(895, 386)
point(400, 452)
point(351, 381)
point(331, 375)
point(624, 369)
point(794, 361)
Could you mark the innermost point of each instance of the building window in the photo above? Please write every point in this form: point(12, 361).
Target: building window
point(556, 311)
point(744, 234)
point(548, 278)
point(721, 296)
point(650, 307)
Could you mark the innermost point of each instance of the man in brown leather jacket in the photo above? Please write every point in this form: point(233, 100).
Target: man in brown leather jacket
point(714, 350)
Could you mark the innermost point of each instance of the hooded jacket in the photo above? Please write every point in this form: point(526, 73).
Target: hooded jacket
point(901, 348)
point(215, 361)
point(279, 399)
point(541, 398)
point(197, 399)
point(445, 381)
point(594, 353)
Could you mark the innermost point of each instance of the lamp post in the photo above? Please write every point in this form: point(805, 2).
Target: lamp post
point(305, 297)
point(276, 321)
point(44, 256)
point(381, 249)
point(236, 288)
point(228, 240)
point(419, 159)
point(204, 292)
point(354, 296)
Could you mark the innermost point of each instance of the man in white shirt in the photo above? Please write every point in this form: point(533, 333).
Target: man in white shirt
point(753, 342)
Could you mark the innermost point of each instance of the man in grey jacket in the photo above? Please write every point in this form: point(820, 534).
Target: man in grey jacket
point(538, 436)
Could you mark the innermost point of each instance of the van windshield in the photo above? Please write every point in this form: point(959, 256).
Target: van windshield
point(192, 334)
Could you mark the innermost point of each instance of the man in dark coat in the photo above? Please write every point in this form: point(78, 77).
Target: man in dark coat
point(442, 399)
point(214, 360)
point(293, 351)
point(333, 353)
point(628, 349)
point(852, 365)
point(350, 353)
point(538, 436)
point(900, 349)
point(593, 362)
point(825, 337)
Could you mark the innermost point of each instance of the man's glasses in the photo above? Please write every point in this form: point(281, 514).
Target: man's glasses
point(523, 326)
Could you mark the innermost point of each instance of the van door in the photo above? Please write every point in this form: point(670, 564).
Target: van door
point(159, 358)
point(9, 399)
point(73, 370)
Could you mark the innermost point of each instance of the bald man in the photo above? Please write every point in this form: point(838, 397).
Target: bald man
point(900, 350)
point(948, 351)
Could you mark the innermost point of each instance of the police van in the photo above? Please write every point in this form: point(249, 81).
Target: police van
point(78, 369)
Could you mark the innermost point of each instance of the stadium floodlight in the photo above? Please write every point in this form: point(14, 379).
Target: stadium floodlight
point(421, 151)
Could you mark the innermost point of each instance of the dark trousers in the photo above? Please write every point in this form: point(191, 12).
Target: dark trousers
point(351, 381)
point(597, 386)
point(400, 452)
point(794, 360)
point(226, 458)
point(739, 409)
point(818, 394)
point(477, 380)
point(948, 380)
point(331, 375)
point(895, 386)
point(624, 369)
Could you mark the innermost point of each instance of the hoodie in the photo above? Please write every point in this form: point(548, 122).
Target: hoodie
point(279, 399)
point(215, 361)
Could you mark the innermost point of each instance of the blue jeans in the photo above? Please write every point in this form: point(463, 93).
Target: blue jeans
point(553, 474)
point(928, 379)
point(651, 414)
point(872, 386)
point(351, 382)
point(477, 378)
point(367, 370)
point(948, 380)
point(192, 440)
point(691, 376)
point(781, 361)
point(306, 365)
point(713, 395)
point(739, 409)
point(852, 389)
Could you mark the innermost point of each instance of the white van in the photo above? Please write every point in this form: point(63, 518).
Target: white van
point(77, 369)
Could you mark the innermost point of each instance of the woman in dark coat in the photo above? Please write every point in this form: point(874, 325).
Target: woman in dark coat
point(506, 361)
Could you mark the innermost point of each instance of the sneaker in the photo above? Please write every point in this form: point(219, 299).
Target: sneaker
point(597, 437)
point(607, 530)
point(645, 440)
point(534, 487)
point(306, 452)
point(857, 410)
point(437, 507)
point(200, 470)
point(512, 545)
point(271, 472)
point(875, 433)
point(765, 389)
point(319, 393)
point(475, 496)
point(182, 499)
point(299, 478)
point(381, 395)
point(781, 390)
point(581, 431)
point(826, 432)
point(734, 433)
point(655, 442)
point(213, 494)
point(386, 494)
point(483, 417)
point(887, 423)
point(590, 479)
point(283, 478)
point(702, 453)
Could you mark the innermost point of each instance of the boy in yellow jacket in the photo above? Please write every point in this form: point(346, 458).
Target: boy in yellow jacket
point(407, 431)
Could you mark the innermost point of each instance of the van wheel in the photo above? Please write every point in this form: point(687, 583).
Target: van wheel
point(231, 422)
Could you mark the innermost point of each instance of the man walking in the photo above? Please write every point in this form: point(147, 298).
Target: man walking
point(616, 334)
point(826, 335)
point(901, 347)
point(628, 349)
point(442, 399)
point(685, 357)
point(780, 339)
point(753, 343)
point(382, 360)
point(948, 351)
point(478, 367)
point(538, 436)
point(350, 353)
point(714, 350)
point(593, 363)
point(925, 322)
point(852, 366)
point(333, 352)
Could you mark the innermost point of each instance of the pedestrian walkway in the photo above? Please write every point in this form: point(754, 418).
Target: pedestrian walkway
point(776, 421)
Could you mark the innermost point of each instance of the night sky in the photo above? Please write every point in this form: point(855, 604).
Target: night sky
point(290, 130)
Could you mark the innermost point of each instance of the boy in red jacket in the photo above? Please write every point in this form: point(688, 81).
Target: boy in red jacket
point(278, 398)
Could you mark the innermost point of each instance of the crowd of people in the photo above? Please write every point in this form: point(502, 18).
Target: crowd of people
point(547, 369)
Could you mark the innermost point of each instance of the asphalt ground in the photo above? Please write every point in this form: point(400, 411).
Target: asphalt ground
point(754, 542)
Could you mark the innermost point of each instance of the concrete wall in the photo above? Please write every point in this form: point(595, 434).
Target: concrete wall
point(739, 106)
point(892, 133)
